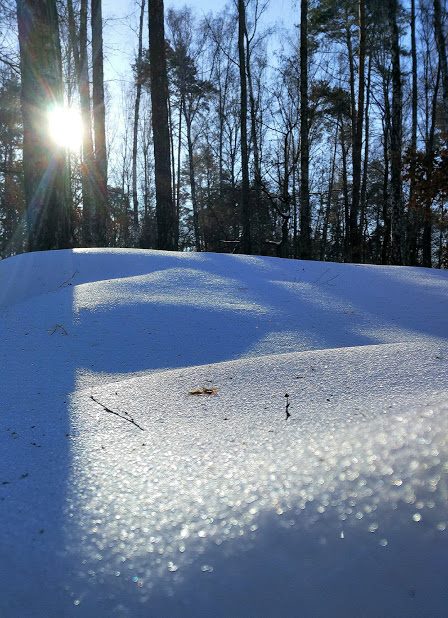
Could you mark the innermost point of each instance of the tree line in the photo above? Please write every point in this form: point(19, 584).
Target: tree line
point(326, 139)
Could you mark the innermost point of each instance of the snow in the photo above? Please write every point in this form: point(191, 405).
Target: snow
point(216, 505)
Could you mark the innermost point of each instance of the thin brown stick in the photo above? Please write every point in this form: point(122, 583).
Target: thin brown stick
point(127, 418)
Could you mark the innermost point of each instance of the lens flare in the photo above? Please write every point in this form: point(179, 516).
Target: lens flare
point(65, 127)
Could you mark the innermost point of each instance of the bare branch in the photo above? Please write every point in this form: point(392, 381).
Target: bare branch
point(127, 418)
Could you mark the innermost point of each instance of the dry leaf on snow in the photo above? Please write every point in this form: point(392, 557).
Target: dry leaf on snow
point(205, 390)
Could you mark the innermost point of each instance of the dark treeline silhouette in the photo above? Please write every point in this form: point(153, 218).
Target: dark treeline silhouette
point(326, 139)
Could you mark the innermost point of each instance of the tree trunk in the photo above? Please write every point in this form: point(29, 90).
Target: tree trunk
point(194, 201)
point(385, 249)
point(323, 248)
point(99, 126)
point(88, 164)
point(73, 36)
point(138, 94)
point(246, 241)
point(355, 237)
point(441, 48)
point(44, 163)
point(429, 165)
point(165, 210)
point(305, 209)
point(173, 168)
point(351, 68)
point(396, 138)
point(254, 136)
point(344, 149)
point(413, 218)
point(365, 169)
point(179, 159)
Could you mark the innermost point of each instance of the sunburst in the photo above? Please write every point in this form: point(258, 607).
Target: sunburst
point(65, 127)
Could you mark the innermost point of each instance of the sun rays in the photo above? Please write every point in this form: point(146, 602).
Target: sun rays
point(65, 127)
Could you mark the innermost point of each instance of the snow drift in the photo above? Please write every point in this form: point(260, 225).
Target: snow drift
point(123, 494)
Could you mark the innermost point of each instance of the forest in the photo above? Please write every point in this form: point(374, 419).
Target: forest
point(324, 140)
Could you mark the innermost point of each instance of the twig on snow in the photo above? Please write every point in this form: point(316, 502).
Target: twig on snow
point(330, 280)
point(127, 417)
point(68, 282)
point(60, 328)
point(288, 414)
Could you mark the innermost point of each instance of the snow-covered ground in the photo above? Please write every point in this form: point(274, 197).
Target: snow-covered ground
point(122, 494)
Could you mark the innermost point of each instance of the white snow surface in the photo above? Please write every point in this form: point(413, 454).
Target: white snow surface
point(157, 502)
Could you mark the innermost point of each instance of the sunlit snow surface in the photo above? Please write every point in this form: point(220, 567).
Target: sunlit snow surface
point(220, 506)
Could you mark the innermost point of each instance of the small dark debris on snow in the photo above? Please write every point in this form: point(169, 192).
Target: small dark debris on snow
point(24, 475)
point(288, 414)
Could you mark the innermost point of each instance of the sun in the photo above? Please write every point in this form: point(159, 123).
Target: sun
point(65, 127)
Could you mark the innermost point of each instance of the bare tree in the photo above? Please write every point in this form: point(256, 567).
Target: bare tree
point(246, 241)
point(441, 48)
point(396, 137)
point(412, 209)
point(138, 95)
point(305, 208)
point(99, 124)
point(355, 239)
point(78, 41)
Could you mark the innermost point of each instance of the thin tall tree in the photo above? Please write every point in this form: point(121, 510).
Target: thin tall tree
point(396, 137)
point(138, 95)
point(441, 48)
point(305, 207)
point(413, 218)
point(165, 208)
point(246, 241)
point(99, 124)
point(79, 47)
point(355, 235)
